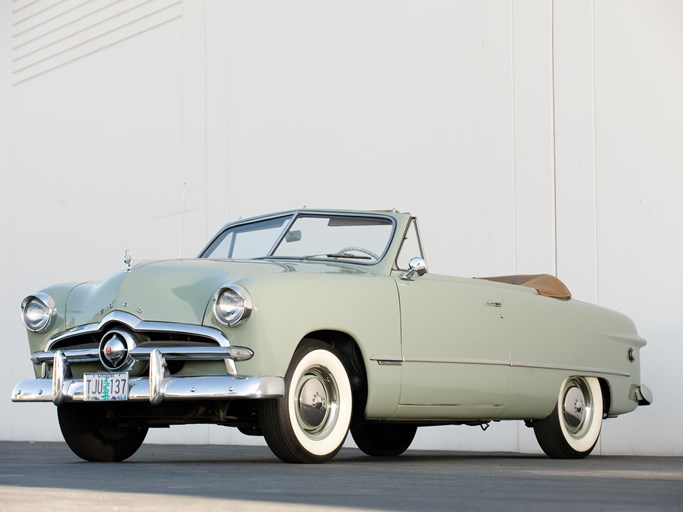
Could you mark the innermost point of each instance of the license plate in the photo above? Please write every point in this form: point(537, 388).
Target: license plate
point(105, 386)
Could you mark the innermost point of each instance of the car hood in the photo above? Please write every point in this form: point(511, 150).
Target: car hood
point(175, 290)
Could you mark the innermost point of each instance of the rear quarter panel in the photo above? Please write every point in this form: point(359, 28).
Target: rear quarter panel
point(551, 339)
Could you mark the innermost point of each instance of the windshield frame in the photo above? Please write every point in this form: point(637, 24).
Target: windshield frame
point(293, 216)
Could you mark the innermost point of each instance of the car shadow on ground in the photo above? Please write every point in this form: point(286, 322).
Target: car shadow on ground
point(211, 477)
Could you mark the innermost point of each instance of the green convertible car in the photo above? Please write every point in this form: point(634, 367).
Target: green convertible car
point(302, 325)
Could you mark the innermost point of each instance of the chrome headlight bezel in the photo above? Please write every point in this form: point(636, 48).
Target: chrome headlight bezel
point(238, 307)
point(46, 312)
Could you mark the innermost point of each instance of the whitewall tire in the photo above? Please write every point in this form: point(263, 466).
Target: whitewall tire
point(311, 422)
point(573, 428)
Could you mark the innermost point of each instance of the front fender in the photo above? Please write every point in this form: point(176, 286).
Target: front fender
point(288, 306)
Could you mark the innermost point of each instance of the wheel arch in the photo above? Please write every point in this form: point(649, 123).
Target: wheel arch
point(606, 395)
point(352, 357)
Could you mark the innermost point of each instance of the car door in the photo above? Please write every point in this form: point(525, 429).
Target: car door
point(454, 352)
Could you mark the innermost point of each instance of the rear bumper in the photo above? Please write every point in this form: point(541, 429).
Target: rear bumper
point(644, 395)
point(155, 388)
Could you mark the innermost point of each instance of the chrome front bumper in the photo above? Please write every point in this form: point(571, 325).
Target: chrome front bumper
point(155, 388)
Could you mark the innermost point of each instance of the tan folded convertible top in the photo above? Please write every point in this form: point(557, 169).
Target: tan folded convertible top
point(545, 284)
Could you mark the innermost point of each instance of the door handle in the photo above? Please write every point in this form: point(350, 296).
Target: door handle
point(495, 303)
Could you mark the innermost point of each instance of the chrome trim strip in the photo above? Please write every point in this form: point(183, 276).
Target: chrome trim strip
point(490, 362)
point(136, 324)
point(80, 355)
point(498, 362)
point(186, 353)
point(387, 360)
point(90, 355)
point(587, 369)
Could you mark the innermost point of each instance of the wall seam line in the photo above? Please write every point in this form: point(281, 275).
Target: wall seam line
point(554, 133)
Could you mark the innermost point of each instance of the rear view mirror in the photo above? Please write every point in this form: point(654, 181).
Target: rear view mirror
point(293, 236)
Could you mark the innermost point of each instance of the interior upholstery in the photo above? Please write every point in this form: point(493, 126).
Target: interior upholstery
point(545, 284)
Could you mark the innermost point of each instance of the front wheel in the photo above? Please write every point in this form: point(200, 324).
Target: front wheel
point(310, 423)
point(573, 428)
point(383, 440)
point(94, 437)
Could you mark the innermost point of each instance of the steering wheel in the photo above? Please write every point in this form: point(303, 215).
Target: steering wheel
point(359, 249)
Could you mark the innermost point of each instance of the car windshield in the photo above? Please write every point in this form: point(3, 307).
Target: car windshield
point(352, 238)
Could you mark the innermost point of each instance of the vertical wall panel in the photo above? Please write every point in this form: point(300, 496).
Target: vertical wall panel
point(639, 129)
point(533, 127)
point(534, 227)
point(218, 190)
point(574, 146)
point(14, 339)
point(96, 147)
point(194, 126)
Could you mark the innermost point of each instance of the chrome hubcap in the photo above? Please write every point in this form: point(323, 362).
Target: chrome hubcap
point(577, 410)
point(316, 402)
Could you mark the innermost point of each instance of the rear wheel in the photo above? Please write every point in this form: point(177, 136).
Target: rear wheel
point(383, 440)
point(573, 428)
point(310, 423)
point(94, 437)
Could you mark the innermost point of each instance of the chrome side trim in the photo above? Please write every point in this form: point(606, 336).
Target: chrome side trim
point(492, 362)
point(137, 324)
point(497, 362)
point(387, 360)
point(581, 369)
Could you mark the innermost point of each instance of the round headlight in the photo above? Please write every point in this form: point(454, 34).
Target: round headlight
point(37, 311)
point(232, 305)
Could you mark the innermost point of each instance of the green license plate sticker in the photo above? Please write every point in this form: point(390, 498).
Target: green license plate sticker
point(105, 386)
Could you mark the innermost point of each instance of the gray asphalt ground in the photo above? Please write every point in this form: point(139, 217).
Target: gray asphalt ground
point(47, 476)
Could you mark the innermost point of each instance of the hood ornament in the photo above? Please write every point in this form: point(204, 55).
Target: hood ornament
point(128, 258)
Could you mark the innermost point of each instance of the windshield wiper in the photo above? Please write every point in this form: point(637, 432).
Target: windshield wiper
point(338, 255)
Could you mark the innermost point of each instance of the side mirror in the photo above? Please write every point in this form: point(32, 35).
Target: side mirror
point(417, 266)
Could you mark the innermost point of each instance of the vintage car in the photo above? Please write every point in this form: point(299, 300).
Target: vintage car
point(302, 325)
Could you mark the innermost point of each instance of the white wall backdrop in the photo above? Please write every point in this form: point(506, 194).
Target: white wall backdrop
point(529, 136)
